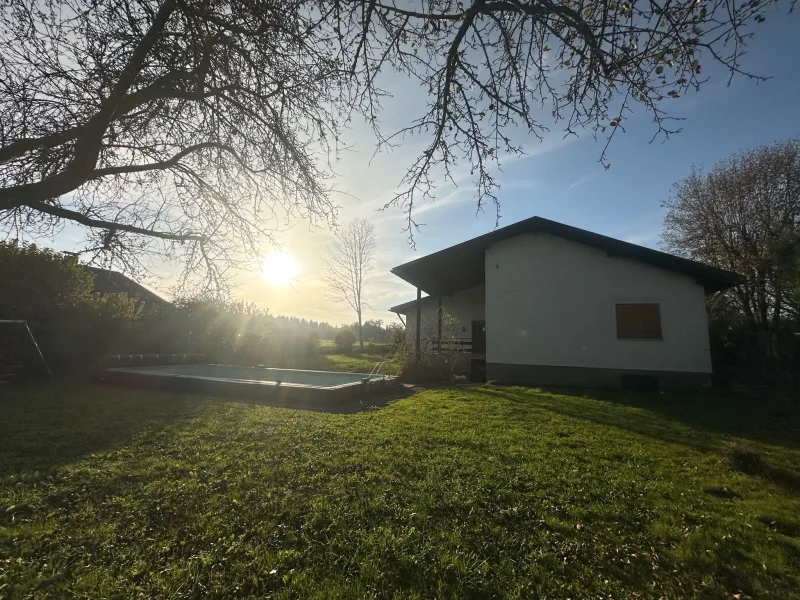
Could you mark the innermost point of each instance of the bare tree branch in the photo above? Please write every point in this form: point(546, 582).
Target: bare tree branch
point(150, 117)
point(744, 215)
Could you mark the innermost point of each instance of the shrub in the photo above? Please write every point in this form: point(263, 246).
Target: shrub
point(379, 349)
point(312, 344)
point(424, 371)
point(434, 362)
point(397, 335)
point(231, 331)
point(118, 307)
point(72, 325)
point(744, 460)
point(425, 368)
point(345, 339)
point(45, 284)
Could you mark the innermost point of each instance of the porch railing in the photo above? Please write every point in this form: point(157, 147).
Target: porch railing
point(453, 345)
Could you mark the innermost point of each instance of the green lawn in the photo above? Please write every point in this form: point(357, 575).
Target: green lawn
point(354, 363)
point(478, 492)
point(332, 343)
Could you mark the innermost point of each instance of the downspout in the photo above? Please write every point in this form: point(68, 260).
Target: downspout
point(439, 325)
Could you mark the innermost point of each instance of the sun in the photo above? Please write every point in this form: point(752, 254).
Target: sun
point(279, 268)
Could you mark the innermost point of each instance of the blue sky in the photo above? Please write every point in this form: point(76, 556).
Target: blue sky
point(563, 180)
point(559, 179)
point(568, 184)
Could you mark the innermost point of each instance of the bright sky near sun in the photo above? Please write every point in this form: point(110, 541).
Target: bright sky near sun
point(560, 179)
point(280, 268)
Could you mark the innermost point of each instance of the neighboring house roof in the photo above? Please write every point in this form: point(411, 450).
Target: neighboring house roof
point(114, 282)
point(462, 266)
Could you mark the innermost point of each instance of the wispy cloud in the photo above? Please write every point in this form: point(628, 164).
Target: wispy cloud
point(579, 182)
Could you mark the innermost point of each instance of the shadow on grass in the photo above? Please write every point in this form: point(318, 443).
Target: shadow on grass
point(770, 422)
point(748, 462)
point(694, 421)
point(343, 408)
point(40, 430)
point(689, 419)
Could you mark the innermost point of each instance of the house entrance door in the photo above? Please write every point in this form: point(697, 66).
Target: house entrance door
point(479, 337)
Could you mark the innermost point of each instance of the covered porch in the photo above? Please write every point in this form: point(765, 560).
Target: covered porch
point(447, 324)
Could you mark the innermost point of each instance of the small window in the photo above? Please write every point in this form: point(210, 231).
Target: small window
point(638, 322)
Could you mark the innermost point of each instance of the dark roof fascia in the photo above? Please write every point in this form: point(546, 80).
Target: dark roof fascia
point(434, 273)
point(404, 308)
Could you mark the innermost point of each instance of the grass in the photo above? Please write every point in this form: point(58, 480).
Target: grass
point(353, 363)
point(332, 343)
point(452, 493)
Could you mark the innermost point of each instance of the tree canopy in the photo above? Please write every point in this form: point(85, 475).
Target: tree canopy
point(44, 285)
point(744, 215)
point(187, 128)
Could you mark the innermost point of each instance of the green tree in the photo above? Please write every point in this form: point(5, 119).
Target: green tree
point(744, 215)
point(40, 283)
point(345, 339)
point(396, 334)
point(234, 329)
point(118, 307)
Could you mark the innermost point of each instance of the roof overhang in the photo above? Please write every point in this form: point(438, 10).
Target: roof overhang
point(408, 307)
point(462, 266)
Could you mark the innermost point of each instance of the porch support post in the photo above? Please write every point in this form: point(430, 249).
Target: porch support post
point(419, 321)
point(439, 324)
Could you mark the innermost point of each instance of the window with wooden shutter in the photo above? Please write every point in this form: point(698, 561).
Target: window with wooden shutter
point(639, 322)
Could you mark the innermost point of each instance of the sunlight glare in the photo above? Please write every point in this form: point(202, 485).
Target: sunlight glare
point(279, 268)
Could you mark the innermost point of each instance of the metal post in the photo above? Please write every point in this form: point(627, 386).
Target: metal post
point(33, 339)
point(419, 321)
point(46, 366)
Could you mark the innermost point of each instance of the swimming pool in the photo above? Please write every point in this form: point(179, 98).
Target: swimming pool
point(283, 386)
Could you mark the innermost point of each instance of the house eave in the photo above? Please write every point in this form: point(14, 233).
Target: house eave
point(462, 266)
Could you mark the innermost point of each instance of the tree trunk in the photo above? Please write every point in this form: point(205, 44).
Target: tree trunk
point(360, 333)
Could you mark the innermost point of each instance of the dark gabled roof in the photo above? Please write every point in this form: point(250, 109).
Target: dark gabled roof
point(461, 266)
point(114, 282)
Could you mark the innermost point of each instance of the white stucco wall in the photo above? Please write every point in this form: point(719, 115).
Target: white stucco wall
point(429, 308)
point(550, 301)
point(465, 306)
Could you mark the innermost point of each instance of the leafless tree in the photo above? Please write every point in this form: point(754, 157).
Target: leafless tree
point(348, 262)
point(186, 124)
point(488, 65)
point(744, 215)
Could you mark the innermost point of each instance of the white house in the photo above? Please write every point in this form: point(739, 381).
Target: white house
point(543, 303)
